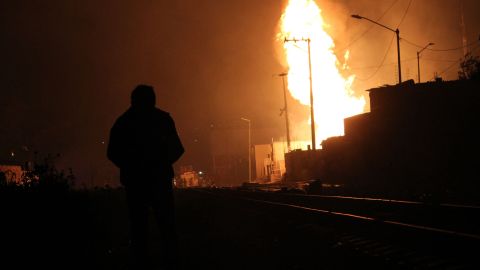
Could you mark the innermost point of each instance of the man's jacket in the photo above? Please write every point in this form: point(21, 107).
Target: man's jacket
point(144, 144)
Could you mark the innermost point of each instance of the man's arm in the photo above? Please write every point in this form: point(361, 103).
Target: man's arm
point(175, 147)
point(114, 144)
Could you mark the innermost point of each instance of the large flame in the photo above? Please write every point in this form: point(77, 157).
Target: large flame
point(334, 98)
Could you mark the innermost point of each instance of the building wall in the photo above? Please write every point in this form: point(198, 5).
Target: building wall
point(229, 148)
point(417, 137)
point(263, 153)
point(278, 149)
point(304, 165)
point(13, 173)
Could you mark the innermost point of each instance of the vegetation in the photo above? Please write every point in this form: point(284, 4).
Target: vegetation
point(42, 176)
point(48, 224)
point(469, 68)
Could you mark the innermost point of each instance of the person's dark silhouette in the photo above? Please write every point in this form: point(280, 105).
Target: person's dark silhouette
point(144, 144)
point(3, 179)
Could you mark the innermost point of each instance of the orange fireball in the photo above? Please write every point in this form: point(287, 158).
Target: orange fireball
point(334, 98)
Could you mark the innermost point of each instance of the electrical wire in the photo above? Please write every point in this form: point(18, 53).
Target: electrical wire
point(405, 14)
point(403, 61)
point(300, 48)
point(452, 65)
point(389, 47)
point(381, 63)
point(439, 50)
point(438, 60)
point(387, 64)
point(370, 28)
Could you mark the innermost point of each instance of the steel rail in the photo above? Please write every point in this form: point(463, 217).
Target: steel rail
point(363, 217)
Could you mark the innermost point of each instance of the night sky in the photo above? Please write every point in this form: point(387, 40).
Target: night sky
point(68, 67)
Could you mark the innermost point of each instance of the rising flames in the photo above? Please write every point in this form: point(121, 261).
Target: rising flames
point(334, 98)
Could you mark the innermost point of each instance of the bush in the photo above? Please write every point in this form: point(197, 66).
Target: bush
point(469, 68)
point(45, 176)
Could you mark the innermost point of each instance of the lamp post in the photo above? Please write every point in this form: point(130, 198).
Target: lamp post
point(397, 32)
point(285, 109)
point(249, 150)
point(418, 58)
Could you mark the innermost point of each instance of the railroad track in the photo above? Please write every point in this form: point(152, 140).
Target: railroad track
point(403, 234)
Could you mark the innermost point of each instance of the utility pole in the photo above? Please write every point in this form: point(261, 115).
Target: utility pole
point(398, 55)
point(312, 118)
point(285, 109)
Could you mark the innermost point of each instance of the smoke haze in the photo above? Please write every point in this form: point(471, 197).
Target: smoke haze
point(68, 67)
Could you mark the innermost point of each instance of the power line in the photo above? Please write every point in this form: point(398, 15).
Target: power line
point(445, 70)
point(387, 64)
point(405, 14)
point(408, 60)
point(403, 61)
point(452, 65)
point(439, 50)
point(370, 28)
point(298, 47)
point(370, 67)
point(439, 60)
point(381, 63)
point(386, 53)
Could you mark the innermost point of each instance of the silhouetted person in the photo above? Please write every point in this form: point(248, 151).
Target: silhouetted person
point(144, 144)
point(3, 179)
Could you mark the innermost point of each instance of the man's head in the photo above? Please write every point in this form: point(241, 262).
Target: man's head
point(143, 96)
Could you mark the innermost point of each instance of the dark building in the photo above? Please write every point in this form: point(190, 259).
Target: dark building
point(304, 165)
point(229, 148)
point(418, 140)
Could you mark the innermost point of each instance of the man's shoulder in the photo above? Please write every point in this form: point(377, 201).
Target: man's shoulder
point(162, 114)
point(123, 117)
point(131, 116)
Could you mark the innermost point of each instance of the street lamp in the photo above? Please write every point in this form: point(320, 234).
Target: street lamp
point(285, 109)
point(249, 149)
point(397, 32)
point(418, 58)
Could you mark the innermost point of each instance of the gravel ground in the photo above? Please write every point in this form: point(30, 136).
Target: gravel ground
point(90, 230)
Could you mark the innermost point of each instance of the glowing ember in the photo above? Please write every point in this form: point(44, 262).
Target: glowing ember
point(333, 96)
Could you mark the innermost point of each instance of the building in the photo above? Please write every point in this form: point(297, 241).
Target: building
point(11, 173)
point(417, 139)
point(229, 149)
point(270, 161)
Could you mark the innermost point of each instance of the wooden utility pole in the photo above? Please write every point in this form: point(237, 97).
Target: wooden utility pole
point(312, 118)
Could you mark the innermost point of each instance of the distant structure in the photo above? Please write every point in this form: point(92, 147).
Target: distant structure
point(263, 162)
point(11, 173)
point(270, 161)
point(188, 178)
point(229, 156)
point(417, 140)
point(304, 165)
point(15, 162)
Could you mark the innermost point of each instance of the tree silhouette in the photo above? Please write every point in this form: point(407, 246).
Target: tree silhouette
point(469, 68)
